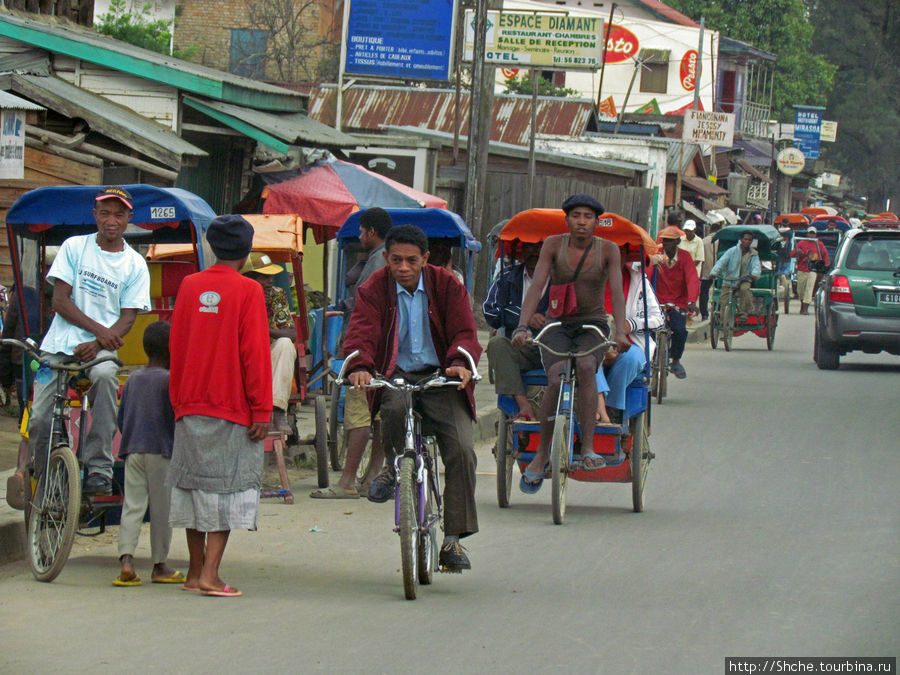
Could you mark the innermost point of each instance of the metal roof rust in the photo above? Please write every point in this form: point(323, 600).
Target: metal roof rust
point(369, 108)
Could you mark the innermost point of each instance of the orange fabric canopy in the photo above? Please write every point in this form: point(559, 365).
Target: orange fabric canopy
point(281, 236)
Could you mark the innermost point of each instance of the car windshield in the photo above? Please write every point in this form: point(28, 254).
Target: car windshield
point(874, 253)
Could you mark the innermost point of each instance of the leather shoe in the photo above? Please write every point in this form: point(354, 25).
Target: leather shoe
point(97, 484)
point(453, 558)
point(383, 485)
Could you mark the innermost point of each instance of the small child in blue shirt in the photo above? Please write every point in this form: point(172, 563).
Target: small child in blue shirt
point(147, 423)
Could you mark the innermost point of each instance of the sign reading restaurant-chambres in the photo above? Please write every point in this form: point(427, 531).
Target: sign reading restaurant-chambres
point(708, 128)
point(542, 40)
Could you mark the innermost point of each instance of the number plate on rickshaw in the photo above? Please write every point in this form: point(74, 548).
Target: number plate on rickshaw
point(889, 298)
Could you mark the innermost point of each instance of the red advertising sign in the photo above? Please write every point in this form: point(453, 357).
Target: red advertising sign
point(621, 44)
point(688, 72)
point(509, 73)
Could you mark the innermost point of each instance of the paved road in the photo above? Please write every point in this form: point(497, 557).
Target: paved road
point(771, 529)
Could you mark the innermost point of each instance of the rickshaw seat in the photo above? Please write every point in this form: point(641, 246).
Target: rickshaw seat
point(165, 279)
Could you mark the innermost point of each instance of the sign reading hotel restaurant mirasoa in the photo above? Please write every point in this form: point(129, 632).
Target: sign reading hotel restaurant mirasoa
point(543, 40)
point(712, 128)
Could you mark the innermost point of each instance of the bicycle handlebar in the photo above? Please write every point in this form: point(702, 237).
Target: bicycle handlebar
point(606, 345)
point(381, 382)
point(30, 347)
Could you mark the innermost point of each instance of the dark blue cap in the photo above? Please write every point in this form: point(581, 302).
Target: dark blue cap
point(582, 199)
point(230, 237)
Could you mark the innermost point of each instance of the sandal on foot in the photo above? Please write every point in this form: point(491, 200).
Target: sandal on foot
point(227, 592)
point(336, 492)
point(592, 461)
point(134, 581)
point(176, 578)
point(531, 481)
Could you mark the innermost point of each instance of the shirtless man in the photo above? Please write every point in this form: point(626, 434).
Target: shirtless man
point(560, 256)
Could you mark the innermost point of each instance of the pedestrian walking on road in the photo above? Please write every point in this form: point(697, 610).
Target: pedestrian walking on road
point(807, 252)
point(221, 390)
point(147, 423)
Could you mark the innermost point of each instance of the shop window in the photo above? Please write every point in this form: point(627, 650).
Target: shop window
point(248, 52)
point(655, 70)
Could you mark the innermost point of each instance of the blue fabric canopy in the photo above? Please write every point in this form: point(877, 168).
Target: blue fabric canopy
point(436, 223)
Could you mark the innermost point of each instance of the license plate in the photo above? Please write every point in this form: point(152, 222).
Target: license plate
point(890, 298)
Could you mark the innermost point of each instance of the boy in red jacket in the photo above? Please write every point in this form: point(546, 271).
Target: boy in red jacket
point(221, 389)
point(408, 321)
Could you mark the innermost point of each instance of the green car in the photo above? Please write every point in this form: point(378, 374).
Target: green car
point(858, 301)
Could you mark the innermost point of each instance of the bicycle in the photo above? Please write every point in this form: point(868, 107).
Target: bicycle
point(659, 366)
point(53, 498)
point(562, 445)
point(418, 506)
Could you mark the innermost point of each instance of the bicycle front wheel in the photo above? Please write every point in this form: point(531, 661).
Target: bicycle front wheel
point(427, 554)
point(559, 463)
point(54, 515)
point(408, 524)
point(662, 366)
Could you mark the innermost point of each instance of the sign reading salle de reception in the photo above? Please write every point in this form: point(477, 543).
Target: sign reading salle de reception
point(541, 40)
point(712, 128)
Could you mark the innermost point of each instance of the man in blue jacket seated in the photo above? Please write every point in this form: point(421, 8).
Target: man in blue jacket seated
point(501, 311)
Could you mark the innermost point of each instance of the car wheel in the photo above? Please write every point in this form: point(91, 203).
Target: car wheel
point(826, 354)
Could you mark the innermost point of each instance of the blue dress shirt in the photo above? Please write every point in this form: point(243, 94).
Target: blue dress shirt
point(416, 351)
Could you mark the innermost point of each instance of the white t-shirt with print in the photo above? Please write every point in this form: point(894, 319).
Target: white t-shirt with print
point(103, 283)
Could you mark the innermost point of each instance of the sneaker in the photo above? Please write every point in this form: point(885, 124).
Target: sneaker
point(383, 485)
point(677, 370)
point(453, 558)
point(97, 484)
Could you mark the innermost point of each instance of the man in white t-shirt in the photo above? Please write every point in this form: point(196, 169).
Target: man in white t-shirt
point(691, 243)
point(100, 284)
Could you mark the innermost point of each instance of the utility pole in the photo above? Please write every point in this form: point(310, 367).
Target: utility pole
point(474, 176)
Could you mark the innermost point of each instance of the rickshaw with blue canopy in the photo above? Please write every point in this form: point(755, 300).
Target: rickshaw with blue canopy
point(441, 227)
point(41, 218)
point(624, 447)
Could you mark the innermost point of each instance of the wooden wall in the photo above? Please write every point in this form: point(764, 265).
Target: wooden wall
point(41, 169)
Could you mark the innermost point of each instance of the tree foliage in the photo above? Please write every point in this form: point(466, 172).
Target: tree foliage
point(782, 27)
point(514, 85)
point(862, 40)
point(139, 28)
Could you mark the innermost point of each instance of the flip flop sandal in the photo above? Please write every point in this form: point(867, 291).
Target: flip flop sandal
point(532, 481)
point(177, 578)
point(119, 581)
point(227, 592)
point(597, 462)
point(336, 492)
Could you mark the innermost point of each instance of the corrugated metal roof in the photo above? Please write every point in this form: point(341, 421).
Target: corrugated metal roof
point(293, 128)
point(102, 115)
point(663, 11)
point(369, 108)
point(12, 102)
point(61, 36)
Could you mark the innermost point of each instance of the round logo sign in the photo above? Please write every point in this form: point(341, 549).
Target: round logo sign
point(621, 44)
point(790, 161)
point(509, 73)
point(210, 298)
point(688, 72)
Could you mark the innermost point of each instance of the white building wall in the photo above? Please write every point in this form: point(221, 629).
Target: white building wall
point(678, 40)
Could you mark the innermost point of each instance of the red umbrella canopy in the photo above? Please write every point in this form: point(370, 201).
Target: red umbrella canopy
point(328, 191)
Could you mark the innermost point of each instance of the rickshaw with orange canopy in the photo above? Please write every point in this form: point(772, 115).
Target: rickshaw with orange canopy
point(625, 448)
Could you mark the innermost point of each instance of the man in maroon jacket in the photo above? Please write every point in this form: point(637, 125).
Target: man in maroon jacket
point(409, 319)
point(677, 283)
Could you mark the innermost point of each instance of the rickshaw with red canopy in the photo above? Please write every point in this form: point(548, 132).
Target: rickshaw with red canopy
point(625, 448)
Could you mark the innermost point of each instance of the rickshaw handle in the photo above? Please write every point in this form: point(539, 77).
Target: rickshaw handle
point(606, 345)
point(341, 382)
point(30, 347)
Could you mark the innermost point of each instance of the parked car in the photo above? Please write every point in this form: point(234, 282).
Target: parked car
point(858, 301)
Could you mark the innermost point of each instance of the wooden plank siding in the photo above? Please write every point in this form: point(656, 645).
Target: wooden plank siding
point(153, 100)
point(41, 169)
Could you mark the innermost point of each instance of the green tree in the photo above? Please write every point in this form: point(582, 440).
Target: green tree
point(139, 29)
point(514, 85)
point(861, 39)
point(782, 27)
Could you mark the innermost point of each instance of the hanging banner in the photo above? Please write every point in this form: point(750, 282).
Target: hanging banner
point(713, 128)
point(12, 144)
point(651, 107)
point(539, 40)
point(408, 39)
point(607, 108)
point(807, 129)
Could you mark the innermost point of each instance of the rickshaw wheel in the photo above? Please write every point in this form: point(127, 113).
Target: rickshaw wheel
point(727, 327)
point(321, 441)
point(559, 462)
point(640, 449)
point(662, 366)
point(336, 447)
point(772, 325)
point(505, 461)
point(713, 327)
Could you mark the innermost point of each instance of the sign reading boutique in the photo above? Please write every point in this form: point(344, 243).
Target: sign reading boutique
point(539, 40)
